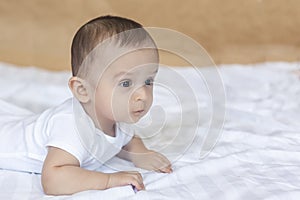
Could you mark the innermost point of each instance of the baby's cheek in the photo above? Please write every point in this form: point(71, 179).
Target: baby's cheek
point(121, 106)
point(150, 100)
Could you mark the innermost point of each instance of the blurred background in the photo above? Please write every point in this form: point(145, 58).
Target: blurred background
point(39, 32)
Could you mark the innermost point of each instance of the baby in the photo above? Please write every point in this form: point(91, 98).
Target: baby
point(114, 63)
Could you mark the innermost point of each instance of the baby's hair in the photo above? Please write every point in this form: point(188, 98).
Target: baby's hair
point(99, 29)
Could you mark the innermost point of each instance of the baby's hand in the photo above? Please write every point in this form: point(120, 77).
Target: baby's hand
point(125, 178)
point(152, 160)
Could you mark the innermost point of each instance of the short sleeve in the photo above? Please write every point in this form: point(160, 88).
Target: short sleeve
point(62, 134)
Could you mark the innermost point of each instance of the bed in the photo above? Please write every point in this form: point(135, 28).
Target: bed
point(255, 156)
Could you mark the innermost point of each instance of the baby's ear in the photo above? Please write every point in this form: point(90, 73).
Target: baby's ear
point(80, 89)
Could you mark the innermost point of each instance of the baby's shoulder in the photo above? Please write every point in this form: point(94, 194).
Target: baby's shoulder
point(66, 107)
point(62, 113)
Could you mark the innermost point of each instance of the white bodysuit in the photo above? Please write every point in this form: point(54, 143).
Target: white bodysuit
point(24, 137)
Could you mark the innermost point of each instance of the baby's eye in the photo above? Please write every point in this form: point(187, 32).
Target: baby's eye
point(149, 81)
point(125, 83)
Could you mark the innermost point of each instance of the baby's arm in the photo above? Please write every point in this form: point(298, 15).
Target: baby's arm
point(62, 174)
point(142, 157)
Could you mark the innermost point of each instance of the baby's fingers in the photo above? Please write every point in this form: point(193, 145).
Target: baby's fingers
point(126, 178)
point(164, 165)
point(167, 169)
point(137, 181)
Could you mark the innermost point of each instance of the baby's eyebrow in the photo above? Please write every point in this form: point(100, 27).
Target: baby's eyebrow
point(122, 74)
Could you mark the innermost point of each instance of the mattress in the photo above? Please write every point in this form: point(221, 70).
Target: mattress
point(253, 151)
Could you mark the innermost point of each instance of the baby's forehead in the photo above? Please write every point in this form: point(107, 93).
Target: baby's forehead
point(116, 59)
point(132, 69)
point(131, 59)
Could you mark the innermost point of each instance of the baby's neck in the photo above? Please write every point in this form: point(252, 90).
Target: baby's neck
point(105, 125)
point(108, 129)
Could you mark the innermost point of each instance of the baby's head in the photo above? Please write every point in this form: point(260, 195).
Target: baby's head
point(114, 63)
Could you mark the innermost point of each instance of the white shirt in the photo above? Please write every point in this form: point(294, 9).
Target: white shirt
point(24, 137)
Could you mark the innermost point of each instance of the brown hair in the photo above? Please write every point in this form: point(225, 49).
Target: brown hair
point(97, 30)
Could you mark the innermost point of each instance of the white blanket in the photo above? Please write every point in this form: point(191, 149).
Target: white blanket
point(257, 155)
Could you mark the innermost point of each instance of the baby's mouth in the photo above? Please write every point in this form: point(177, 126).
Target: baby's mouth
point(138, 112)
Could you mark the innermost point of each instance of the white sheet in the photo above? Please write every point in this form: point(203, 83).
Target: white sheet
point(256, 157)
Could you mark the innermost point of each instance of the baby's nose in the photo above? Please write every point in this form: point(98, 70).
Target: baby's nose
point(140, 94)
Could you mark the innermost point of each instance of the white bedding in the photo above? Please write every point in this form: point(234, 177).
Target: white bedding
point(256, 157)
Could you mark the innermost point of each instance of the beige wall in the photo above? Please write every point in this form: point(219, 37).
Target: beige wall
point(39, 32)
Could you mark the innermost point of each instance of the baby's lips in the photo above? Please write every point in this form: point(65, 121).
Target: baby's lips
point(138, 112)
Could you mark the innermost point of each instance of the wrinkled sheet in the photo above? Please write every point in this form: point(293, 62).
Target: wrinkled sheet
point(257, 155)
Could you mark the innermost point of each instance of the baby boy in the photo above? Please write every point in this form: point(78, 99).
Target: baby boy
point(114, 64)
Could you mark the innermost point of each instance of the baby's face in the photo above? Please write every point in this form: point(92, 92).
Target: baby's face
point(124, 92)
